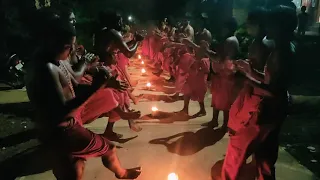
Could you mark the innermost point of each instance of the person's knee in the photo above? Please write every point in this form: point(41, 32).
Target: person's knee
point(79, 166)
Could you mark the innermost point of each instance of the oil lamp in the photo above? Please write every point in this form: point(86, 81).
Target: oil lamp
point(173, 176)
point(155, 111)
point(143, 71)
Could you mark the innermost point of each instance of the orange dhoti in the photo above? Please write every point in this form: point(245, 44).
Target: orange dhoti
point(183, 69)
point(196, 82)
point(254, 128)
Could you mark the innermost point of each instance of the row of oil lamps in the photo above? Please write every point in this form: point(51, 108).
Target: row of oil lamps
point(155, 112)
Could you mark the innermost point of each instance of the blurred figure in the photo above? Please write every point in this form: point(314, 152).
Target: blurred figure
point(256, 116)
point(225, 85)
point(303, 21)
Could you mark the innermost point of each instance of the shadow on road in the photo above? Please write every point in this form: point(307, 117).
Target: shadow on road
point(18, 138)
point(248, 171)
point(190, 143)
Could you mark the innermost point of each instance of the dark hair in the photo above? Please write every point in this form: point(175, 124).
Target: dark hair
point(283, 17)
point(231, 24)
point(258, 16)
point(303, 8)
point(57, 33)
point(109, 19)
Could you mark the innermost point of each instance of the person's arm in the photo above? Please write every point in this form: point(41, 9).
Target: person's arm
point(268, 84)
point(63, 106)
point(189, 34)
point(122, 45)
point(78, 70)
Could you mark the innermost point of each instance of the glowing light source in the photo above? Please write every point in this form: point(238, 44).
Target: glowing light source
point(148, 84)
point(142, 62)
point(173, 176)
point(143, 71)
point(154, 109)
point(139, 56)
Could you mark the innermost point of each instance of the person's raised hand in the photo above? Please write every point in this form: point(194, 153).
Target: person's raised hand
point(244, 66)
point(139, 36)
point(89, 57)
point(117, 84)
point(100, 79)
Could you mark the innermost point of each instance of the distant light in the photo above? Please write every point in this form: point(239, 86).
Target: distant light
point(130, 18)
point(143, 71)
point(142, 62)
point(148, 84)
point(154, 109)
point(173, 176)
point(139, 56)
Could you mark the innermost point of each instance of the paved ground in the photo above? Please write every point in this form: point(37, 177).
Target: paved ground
point(193, 153)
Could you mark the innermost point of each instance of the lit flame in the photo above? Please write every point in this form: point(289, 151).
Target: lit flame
point(148, 84)
point(139, 56)
point(155, 109)
point(142, 62)
point(173, 176)
point(143, 71)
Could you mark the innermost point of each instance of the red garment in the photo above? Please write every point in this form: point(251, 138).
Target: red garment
point(254, 122)
point(100, 103)
point(196, 83)
point(122, 61)
point(224, 86)
point(257, 140)
point(70, 144)
point(183, 68)
point(86, 79)
point(122, 97)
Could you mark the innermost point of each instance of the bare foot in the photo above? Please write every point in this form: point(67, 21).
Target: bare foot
point(132, 173)
point(211, 124)
point(134, 126)
point(130, 115)
point(112, 135)
point(200, 114)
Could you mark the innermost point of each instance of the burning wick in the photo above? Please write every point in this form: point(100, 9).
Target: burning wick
point(143, 71)
point(139, 56)
point(154, 109)
point(173, 176)
point(142, 62)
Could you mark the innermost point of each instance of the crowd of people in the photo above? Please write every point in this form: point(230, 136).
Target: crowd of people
point(70, 88)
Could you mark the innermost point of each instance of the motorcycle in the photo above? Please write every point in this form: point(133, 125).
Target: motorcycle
point(12, 73)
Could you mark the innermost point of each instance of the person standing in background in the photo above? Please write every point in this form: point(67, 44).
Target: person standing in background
point(302, 21)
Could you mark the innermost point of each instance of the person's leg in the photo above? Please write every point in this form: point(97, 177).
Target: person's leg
point(82, 143)
point(111, 161)
point(186, 101)
point(214, 121)
point(225, 119)
point(267, 155)
point(240, 147)
point(67, 168)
